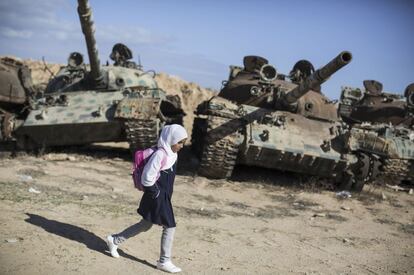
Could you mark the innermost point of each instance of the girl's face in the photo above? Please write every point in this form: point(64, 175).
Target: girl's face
point(177, 147)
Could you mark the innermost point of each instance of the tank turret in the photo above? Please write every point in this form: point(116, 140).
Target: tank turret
point(88, 29)
point(290, 98)
point(259, 84)
point(373, 105)
point(262, 119)
point(118, 102)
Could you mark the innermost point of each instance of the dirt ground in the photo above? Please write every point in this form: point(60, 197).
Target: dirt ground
point(58, 208)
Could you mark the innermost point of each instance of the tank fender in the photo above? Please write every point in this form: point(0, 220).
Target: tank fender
point(138, 108)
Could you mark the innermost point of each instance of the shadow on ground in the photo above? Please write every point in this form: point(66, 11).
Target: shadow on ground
point(98, 151)
point(188, 166)
point(78, 234)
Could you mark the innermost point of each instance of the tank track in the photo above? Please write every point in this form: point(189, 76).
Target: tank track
point(365, 171)
point(219, 153)
point(398, 169)
point(141, 134)
point(198, 136)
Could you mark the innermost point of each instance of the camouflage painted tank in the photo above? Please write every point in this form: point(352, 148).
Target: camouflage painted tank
point(373, 105)
point(382, 126)
point(16, 93)
point(119, 102)
point(261, 119)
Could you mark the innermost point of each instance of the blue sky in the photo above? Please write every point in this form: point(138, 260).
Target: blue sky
point(198, 40)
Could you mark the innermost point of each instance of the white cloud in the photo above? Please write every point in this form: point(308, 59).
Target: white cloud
point(52, 29)
point(25, 14)
point(40, 18)
point(10, 33)
point(36, 18)
point(130, 35)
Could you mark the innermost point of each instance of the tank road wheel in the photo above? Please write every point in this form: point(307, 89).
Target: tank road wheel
point(365, 170)
point(7, 142)
point(198, 136)
point(219, 152)
point(141, 134)
point(26, 143)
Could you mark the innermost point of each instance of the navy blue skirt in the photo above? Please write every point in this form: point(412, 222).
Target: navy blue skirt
point(155, 205)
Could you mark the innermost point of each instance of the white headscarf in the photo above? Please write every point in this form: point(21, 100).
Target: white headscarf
point(170, 135)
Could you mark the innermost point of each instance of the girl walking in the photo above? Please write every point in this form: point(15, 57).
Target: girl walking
point(155, 206)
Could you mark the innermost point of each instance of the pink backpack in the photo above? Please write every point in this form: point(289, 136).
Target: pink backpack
point(140, 159)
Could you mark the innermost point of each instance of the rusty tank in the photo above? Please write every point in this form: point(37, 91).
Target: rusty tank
point(260, 118)
point(381, 124)
point(97, 103)
point(374, 105)
point(16, 93)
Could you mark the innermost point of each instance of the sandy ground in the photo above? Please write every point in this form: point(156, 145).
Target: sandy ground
point(259, 222)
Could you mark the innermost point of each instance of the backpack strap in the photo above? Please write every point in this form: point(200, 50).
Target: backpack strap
point(164, 158)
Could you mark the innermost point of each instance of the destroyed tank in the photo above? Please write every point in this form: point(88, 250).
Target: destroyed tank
point(381, 125)
point(375, 106)
point(119, 102)
point(261, 119)
point(16, 93)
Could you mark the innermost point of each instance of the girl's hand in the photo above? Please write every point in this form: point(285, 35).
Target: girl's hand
point(153, 190)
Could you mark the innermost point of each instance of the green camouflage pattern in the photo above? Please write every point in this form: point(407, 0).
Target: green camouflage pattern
point(85, 117)
point(105, 103)
point(381, 125)
point(138, 108)
point(383, 140)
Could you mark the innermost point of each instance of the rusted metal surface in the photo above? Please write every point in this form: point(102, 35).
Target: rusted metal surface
point(138, 108)
point(250, 86)
point(106, 103)
point(362, 105)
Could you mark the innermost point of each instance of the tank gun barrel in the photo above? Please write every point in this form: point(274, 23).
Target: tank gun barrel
point(88, 29)
point(317, 78)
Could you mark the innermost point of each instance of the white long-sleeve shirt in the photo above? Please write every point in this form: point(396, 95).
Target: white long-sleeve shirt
point(152, 168)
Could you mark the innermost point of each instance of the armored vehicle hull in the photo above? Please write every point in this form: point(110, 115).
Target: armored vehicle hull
point(368, 105)
point(89, 116)
point(264, 138)
point(279, 125)
point(381, 125)
point(119, 102)
point(16, 93)
point(392, 146)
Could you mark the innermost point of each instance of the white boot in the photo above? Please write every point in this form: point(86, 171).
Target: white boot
point(168, 267)
point(112, 247)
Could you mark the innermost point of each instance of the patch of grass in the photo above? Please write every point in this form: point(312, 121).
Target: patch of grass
point(54, 196)
point(385, 221)
point(369, 198)
point(303, 204)
point(193, 212)
point(336, 217)
point(238, 205)
point(12, 191)
point(395, 203)
point(235, 214)
point(208, 198)
point(289, 198)
point(272, 212)
point(407, 228)
point(34, 173)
